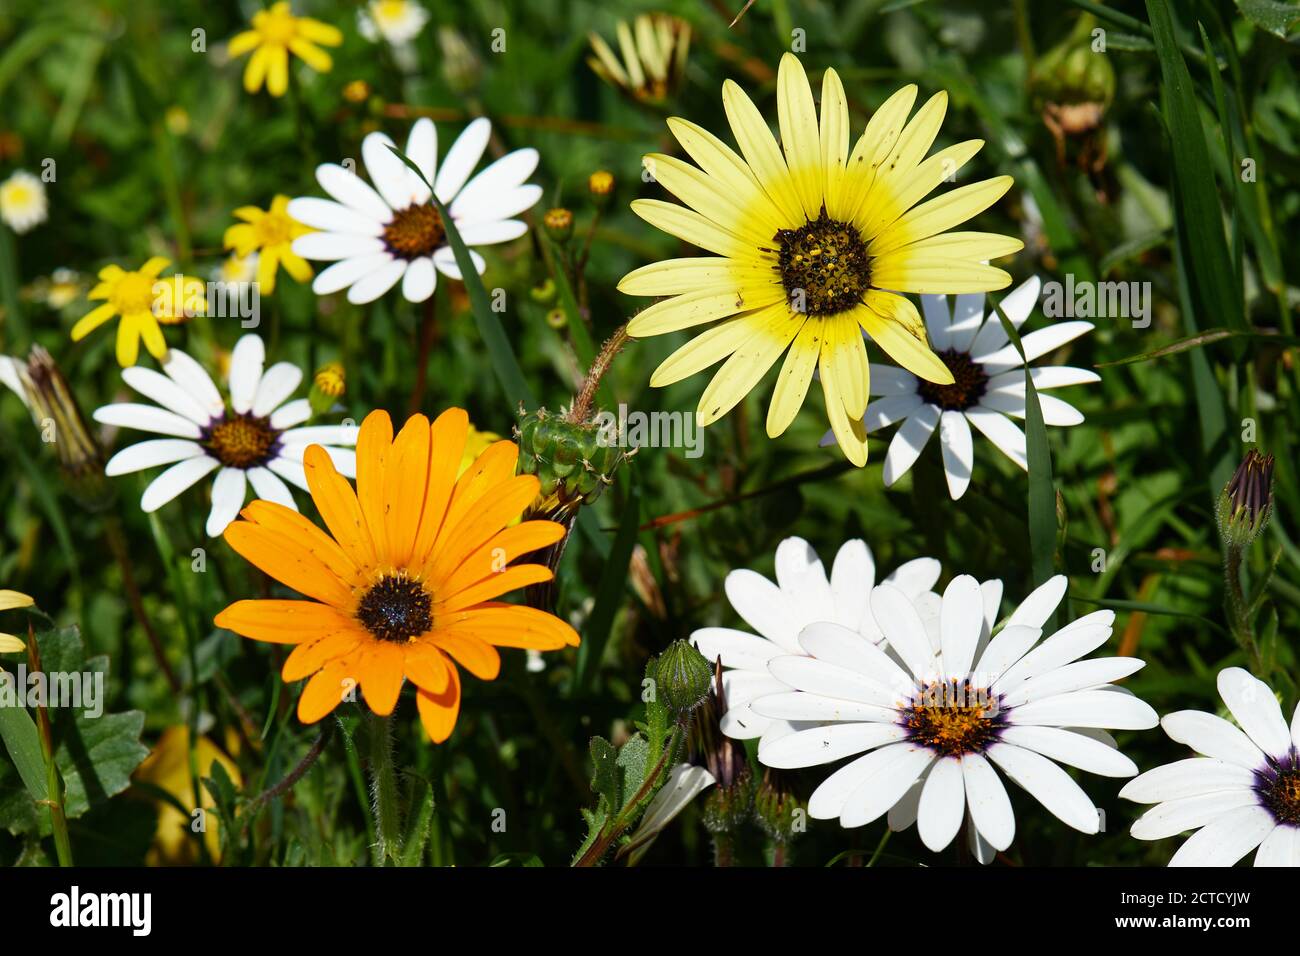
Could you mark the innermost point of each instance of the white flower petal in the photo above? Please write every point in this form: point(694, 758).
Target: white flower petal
point(900, 766)
point(267, 486)
point(1002, 431)
point(1071, 748)
point(290, 471)
point(1280, 848)
point(960, 620)
point(352, 191)
point(1212, 736)
point(828, 800)
point(445, 260)
point(764, 607)
point(343, 274)
point(462, 158)
point(830, 680)
point(1057, 413)
point(321, 435)
point(685, 782)
point(853, 574)
point(1256, 709)
point(331, 216)
point(277, 384)
point(820, 745)
point(892, 408)
point(937, 320)
point(1042, 601)
point(147, 454)
point(397, 184)
point(943, 804)
point(147, 418)
point(967, 317)
point(891, 381)
point(190, 375)
point(372, 286)
point(796, 705)
point(1047, 376)
point(492, 231)
point(1178, 816)
point(166, 393)
point(1007, 646)
point(332, 246)
point(420, 280)
point(958, 452)
point(1048, 784)
point(915, 577)
point(175, 480)
point(1087, 708)
point(1071, 677)
point(422, 149)
point(1226, 839)
point(1016, 305)
point(1191, 777)
point(228, 491)
point(990, 807)
point(909, 441)
point(294, 413)
point(497, 179)
point(1035, 344)
point(838, 645)
point(246, 362)
point(903, 629)
point(736, 648)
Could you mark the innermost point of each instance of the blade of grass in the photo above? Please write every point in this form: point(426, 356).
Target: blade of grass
point(504, 363)
point(1208, 337)
point(609, 595)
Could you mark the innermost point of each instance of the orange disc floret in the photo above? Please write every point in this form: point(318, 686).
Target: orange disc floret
point(405, 584)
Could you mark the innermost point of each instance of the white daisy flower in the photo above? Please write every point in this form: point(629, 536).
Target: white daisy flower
point(1243, 791)
point(932, 718)
point(23, 204)
point(378, 236)
point(397, 21)
point(988, 391)
point(252, 440)
point(778, 612)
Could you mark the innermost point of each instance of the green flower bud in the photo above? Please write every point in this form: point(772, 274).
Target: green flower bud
point(1246, 503)
point(683, 678)
point(544, 292)
point(557, 318)
point(574, 461)
point(777, 810)
point(327, 386)
point(559, 224)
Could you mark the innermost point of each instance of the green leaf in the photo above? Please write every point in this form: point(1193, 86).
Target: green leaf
point(1277, 18)
point(604, 772)
point(633, 762)
point(1208, 337)
point(504, 363)
point(22, 741)
point(609, 594)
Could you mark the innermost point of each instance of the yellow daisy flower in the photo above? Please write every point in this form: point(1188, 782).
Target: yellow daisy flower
point(168, 768)
point(276, 33)
point(269, 233)
point(808, 237)
point(9, 600)
point(654, 48)
point(142, 300)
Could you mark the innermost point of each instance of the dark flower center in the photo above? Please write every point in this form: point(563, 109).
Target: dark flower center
point(969, 382)
point(241, 441)
point(824, 266)
point(396, 608)
point(415, 232)
point(953, 717)
point(1278, 786)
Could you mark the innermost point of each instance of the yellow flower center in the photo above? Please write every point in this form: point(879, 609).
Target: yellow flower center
point(276, 26)
point(241, 441)
point(388, 12)
point(273, 229)
point(396, 608)
point(953, 717)
point(17, 194)
point(969, 382)
point(331, 380)
point(1279, 790)
point(133, 294)
point(824, 266)
point(415, 232)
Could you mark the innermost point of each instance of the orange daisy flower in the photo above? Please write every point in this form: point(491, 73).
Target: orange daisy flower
point(403, 586)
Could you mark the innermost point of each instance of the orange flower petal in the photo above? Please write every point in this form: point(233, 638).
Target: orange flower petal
point(331, 685)
point(505, 625)
point(447, 436)
point(438, 712)
point(490, 469)
point(374, 442)
point(282, 622)
point(475, 655)
point(460, 538)
point(405, 486)
point(337, 504)
point(310, 656)
point(500, 550)
point(495, 585)
point(277, 517)
point(286, 560)
point(381, 675)
point(426, 667)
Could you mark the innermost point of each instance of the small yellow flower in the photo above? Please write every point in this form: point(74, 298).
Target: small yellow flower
point(8, 601)
point(270, 233)
point(331, 380)
point(358, 91)
point(476, 443)
point(168, 768)
point(601, 183)
point(23, 205)
point(142, 300)
point(276, 33)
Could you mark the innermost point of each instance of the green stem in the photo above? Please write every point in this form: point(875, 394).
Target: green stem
point(383, 789)
point(1238, 607)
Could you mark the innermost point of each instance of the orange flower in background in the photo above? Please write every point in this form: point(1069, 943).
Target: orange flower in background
point(404, 585)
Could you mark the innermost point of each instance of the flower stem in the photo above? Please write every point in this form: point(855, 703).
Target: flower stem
point(383, 789)
point(53, 784)
point(581, 407)
point(1237, 606)
point(428, 336)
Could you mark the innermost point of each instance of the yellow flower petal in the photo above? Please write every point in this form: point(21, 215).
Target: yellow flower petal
point(800, 140)
point(698, 274)
point(942, 212)
point(128, 340)
point(894, 324)
point(795, 376)
point(908, 271)
point(696, 308)
point(92, 320)
point(850, 433)
point(14, 599)
point(875, 144)
point(730, 172)
point(277, 70)
point(748, 364)
point(312, 55)
point(834, 137)
point(710, 347)
point(11, 645)
point(690, 225)
point(759, 148)
point(890, 200)
point(255, 71)
point(318, 32)
point(241, 43)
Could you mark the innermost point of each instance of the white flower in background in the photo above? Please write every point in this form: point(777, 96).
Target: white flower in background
point(931, 719)
point(23, 205)
point(392, 232)
point(1243, 791)
point(236, 270)
point(988, 388)
point(252, 440)
point(397, 21)
point(778, 612)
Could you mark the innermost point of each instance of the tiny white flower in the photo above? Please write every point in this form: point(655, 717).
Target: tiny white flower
point(392, 232)
point(928, 718)
point(988, 391)
point(23, 204)
point(1243, 791)
point(250, 440)
point(397, 21)
point(778, 612)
